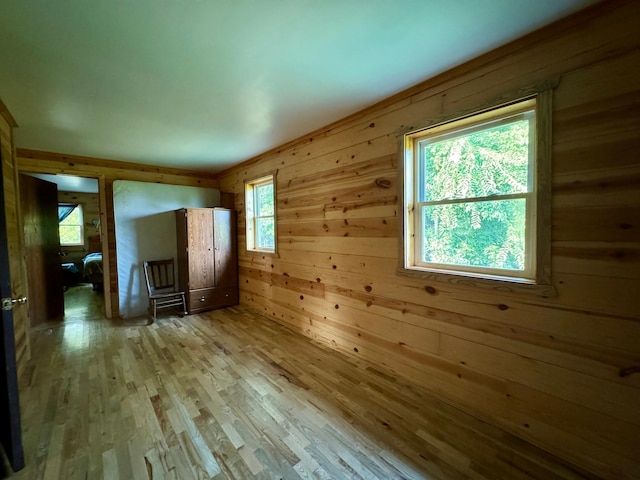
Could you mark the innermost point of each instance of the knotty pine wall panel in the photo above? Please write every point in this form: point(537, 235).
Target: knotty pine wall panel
point(551, 370)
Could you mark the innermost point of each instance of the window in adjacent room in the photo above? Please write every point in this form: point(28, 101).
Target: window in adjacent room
point(71, 224)
point(471, 196)
point(260, 195)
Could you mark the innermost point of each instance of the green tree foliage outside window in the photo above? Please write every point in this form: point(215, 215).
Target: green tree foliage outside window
point(261, 214)
point(484, 230)
point(71, 231)
point(470, 195)
point(264, 215)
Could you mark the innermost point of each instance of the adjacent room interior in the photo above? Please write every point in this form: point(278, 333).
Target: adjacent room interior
point(63, 239)
point(437, 282)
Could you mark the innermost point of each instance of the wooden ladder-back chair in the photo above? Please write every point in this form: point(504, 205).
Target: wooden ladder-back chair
point(160, 277)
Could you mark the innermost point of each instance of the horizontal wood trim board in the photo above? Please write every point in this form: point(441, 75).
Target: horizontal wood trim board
point(80, 161)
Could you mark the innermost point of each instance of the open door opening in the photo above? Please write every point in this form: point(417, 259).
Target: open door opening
point(73, 250)
point(38, 201)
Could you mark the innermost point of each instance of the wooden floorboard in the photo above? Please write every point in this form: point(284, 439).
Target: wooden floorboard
point(231, 394)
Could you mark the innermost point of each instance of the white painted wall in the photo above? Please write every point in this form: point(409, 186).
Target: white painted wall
point(146, 230)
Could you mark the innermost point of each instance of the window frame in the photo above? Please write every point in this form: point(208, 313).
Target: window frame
point(81, 225)
point(250, 188)
point(536, 278)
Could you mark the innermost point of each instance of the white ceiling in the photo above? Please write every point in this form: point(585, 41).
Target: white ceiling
point(205, 84)
point(69, 183)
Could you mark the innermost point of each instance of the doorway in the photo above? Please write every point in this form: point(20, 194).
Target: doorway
point(77, 255)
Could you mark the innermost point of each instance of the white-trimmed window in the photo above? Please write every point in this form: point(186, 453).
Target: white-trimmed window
point(471, 196)
point(70, 224)
point(260, 205)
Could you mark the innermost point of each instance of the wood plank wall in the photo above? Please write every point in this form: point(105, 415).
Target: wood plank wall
point(551, 370)
point(107, 172)
point(17, 264)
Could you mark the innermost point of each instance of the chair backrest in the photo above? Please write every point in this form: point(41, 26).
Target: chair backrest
point(160, 275)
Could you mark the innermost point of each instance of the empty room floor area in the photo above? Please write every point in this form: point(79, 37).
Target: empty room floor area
point(231, 394)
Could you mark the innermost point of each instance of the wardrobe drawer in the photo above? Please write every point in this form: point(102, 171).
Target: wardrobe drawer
point(208, 298)
point(226, 296)
point(200, 300)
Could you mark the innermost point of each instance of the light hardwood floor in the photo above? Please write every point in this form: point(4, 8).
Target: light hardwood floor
point(231, 394)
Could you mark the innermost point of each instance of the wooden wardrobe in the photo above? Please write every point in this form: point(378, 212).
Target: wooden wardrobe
point(207, 257)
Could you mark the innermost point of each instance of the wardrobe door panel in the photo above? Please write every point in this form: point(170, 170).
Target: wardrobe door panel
point(200, 244)
point(226, 269)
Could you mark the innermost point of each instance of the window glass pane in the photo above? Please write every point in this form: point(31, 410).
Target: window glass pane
point(492, 161)
point(265, 237)
point(70, 228)
point(70, 234)
point(487, 234)
point(73, 218)
point(264, 200)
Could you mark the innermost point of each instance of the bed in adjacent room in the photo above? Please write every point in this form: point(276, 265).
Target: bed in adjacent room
point(92, 270)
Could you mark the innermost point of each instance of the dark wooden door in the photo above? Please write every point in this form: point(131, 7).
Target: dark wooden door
point(10, 434)
point(39, 202)
point(224, 232)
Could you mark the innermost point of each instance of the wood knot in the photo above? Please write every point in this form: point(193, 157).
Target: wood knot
point(625, 372)
point(430, 290)
point(368, 288)
point(383, 183)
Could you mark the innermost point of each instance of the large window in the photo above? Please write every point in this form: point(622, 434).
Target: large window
point(260, 197)
point(70, 224)
point(471, 203)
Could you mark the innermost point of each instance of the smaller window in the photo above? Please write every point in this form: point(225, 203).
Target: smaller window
point(71, 224)
point(260, 197)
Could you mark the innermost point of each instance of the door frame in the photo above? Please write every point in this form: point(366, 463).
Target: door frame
point(11, 437)
point(108, 311)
